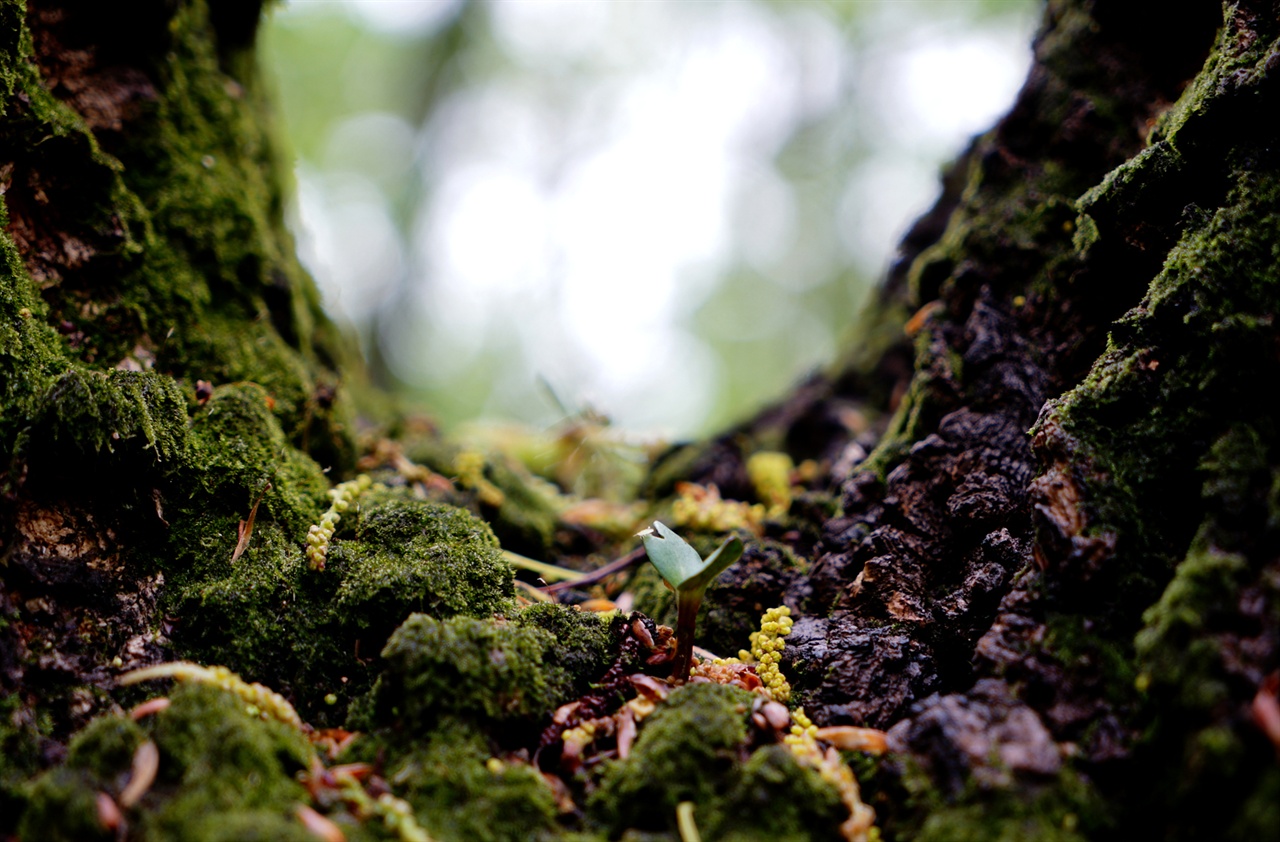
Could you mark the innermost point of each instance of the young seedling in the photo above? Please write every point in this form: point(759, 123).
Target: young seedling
point(688, 574)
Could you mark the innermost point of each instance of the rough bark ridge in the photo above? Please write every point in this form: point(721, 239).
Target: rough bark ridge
point(1039, 546)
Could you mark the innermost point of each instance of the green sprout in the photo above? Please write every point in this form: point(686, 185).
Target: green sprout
point(688, 574)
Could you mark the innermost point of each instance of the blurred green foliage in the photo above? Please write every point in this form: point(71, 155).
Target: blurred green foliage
point(835, 117)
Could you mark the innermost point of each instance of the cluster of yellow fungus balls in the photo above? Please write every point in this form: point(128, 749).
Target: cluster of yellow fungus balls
point(396, 814)
point(261, 701)
point(343, 495)
point(766, 650)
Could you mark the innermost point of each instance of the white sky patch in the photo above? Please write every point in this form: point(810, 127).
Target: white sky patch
point(375, 143)
point(623, 236)
point(351, 244)
point(488, 231)
point(882, 198)
point(764, 215)
point(583, 205)
point(956, 89)
point(399, 18)
point(937, 83)
point(551, 30)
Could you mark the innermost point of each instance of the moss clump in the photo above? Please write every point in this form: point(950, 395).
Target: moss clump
point(19, 756)
point(219, 759)
point(586, 643)
point(308, 633)
point(238, 447)
point(448, 683)
point(1008, 820)
point(690, 749)
point(430, 558)
point(62, 806)
point(96, 412)
point(481, 671)
point(1067, 808)
point(460, 796)
point(221, 773)
point(1200, 748)
point(523, 509)
point(778, 798)
point(687, 751)
point(105, 747)
point(1174, 650)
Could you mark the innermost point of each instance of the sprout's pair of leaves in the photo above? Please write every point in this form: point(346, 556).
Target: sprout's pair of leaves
point(680, 565)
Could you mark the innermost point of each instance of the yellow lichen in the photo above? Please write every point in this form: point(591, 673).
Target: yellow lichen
point(469, 465)
point(701, 508)
point(770, 474)
point(343, 495)
point(803, 743)
point(260, 700)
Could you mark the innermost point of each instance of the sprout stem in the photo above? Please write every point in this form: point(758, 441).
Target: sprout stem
point(687, 605)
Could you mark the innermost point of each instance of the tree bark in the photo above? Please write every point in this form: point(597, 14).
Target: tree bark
point(1040, 548)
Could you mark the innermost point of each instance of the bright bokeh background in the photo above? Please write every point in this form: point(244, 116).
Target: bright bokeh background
point(667, 210)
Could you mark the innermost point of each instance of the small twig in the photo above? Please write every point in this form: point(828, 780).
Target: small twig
point(616, 566)
point(546, 571)
point(532, 592)
point(684, 821)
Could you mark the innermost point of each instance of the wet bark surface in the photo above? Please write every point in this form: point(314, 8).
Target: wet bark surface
point(939, 597)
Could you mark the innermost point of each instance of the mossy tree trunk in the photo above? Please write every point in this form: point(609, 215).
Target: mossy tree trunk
point(1044, 550)
point(144, 253)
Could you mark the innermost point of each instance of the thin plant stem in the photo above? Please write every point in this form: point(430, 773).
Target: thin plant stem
point(687, 605)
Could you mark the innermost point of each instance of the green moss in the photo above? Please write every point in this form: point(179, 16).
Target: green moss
point(585, 642)
point(178, 220)
point(1181, 371)
point(1065, 809)
point(694, 748)
point(20, 739)
point(221, 771)
point(1259, 815)
point(458, 797)
point(228, 758)
point(117, 421)
point(1009, 821)
point(1238, 467)
point(483, 671)
point(1187, 650)
point(238, 447)
point(422, 557)
point(778, 798)
point(106, 746)
point(526, 520)
point(1091, 656)
point(238, 826)
point(1174, 650)
point(687, 751)
point(310, 633)
point(62, 807)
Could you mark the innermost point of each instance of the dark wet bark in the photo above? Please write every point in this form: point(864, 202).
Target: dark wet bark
point(1046, 468)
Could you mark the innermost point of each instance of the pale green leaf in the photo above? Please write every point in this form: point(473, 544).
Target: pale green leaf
point(680, 565)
